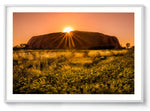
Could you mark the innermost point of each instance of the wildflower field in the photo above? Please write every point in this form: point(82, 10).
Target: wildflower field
point(73, 71)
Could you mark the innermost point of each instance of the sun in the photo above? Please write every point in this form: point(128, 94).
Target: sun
point(67, 29)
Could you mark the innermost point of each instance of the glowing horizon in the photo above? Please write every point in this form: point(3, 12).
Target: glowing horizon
point(27, 25)
point(67, 29)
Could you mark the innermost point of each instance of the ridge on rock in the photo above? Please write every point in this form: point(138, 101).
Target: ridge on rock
point(74, 40)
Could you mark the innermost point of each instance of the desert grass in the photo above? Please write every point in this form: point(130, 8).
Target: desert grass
point(73, 72)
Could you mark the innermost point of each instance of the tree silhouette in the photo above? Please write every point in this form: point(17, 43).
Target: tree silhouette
point(24, 46)
point(127, 45)
point(21, 46)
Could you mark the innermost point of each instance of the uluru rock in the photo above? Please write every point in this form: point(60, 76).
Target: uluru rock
point(74, 40)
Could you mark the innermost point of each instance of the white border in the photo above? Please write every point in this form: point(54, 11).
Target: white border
point(137, 97)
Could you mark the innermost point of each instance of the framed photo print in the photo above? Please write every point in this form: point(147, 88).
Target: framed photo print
point(74, 53)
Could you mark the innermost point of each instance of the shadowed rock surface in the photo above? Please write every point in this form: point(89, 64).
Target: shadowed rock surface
point(74, 40)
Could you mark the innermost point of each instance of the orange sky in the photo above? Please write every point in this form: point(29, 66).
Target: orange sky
point(26, 25)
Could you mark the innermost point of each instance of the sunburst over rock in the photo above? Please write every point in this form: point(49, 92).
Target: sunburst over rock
point(74, 40)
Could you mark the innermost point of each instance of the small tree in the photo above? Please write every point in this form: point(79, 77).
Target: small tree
point(24, 46)
point(127, 45)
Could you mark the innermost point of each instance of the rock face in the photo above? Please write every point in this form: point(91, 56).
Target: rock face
point(74, 40)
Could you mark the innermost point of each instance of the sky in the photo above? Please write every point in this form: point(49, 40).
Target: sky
point(26, 25)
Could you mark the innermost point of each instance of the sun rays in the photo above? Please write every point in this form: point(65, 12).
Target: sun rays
point(66, 41)
point(69, 39)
